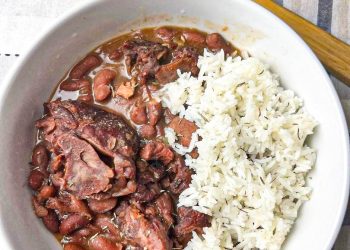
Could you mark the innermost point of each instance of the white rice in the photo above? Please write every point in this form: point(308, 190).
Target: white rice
point(250, 176)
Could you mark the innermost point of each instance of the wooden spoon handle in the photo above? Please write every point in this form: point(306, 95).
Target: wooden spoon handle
point(333, 53)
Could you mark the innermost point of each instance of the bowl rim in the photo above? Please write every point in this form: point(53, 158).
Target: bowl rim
point(83, 6)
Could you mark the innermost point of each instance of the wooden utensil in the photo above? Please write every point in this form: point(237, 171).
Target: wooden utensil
point(333, 53)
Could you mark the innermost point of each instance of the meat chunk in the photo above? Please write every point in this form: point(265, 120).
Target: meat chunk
point(184, 129)
point(107, 132)
point(182, 175)
point(184, 59)
point(156, 150)
point(164, 206)
point(216, 42)
point(148, 172)
point(145, 193)
point(144, 57)
point(85, 173)
point(126, 89)
point(140, 231)
point(190, 220)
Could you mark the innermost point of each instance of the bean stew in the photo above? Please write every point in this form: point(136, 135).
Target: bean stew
point(102, 174)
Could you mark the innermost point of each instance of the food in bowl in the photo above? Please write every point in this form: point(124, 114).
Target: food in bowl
point(170, 138)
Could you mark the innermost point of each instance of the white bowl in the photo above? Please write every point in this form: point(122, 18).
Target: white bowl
point(249, 26)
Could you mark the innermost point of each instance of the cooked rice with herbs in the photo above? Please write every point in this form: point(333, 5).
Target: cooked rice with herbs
point(250, 176)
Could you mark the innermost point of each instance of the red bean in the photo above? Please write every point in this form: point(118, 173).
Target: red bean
point(85, 91)
point(102, 206)
point(85, 66)
point(72, 223)
point(72, 246)
point(70, 85)
point(166, 34)
point(51, 222)
point(216, 42)
point(39, 210)
point(116, 55)
point(36, 179)
point(147, 131)
point(154, 110)
point(101, 84)
point(102, 243)
point(194, 37)
point(138, 114)
point(40, 155)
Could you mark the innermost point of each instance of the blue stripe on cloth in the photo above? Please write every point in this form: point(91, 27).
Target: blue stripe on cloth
point(324, 17)
point(280, 2)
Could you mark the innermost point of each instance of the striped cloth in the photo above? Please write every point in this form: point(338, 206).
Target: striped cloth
point(21, 20)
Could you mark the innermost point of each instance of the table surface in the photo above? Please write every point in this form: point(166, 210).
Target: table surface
point(21, 21)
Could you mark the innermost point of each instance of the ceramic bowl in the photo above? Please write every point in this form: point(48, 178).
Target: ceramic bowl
point(246, 25)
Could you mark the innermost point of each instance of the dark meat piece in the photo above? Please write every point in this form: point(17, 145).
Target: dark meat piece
point(164, 206)
point(189, 220)
point(139, 231)
point(85, 173)
point(216, 42)
point(184, 59)
point(145, 193)
point(149, 172)
point(156, 150)
point(144, 56)
point(182, 173)
point(67, 203)
point(107, 132)
point(184, 129)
